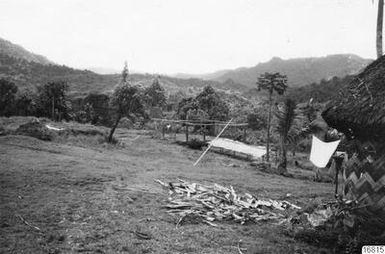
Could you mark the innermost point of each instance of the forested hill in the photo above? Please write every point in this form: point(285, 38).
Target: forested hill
point(300, 71)
point(320, 92)
point(10, 49)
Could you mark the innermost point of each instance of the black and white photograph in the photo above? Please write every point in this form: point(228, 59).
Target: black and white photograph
point(192, 126)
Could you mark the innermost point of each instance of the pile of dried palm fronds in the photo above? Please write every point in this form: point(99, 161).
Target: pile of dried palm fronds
point(219, 203)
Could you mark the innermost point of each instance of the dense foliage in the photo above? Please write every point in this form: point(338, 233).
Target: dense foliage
point(208, 104)
point(52, 100)
point(155, 94)
point(320, 92)
point(49, 100)
point(8, 92)
point(94, 109)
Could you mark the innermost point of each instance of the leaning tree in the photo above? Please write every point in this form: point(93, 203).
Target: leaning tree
point(272, 82)
point(126, 101)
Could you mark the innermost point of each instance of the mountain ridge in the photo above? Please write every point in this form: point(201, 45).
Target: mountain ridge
point(300, 71)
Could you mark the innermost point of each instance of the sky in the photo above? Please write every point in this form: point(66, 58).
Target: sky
point(187, 36)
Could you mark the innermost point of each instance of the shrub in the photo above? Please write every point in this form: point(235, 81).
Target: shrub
point(196, 144)
point(2, 131)
point(36, 130)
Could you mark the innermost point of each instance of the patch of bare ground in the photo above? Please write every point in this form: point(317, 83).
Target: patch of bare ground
point(58, 197)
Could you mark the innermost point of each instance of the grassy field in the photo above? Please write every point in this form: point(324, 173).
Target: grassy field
point(94, 198)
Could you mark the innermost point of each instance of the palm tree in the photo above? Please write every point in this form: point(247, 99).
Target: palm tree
point(380, 16)
point(286, 116)
point(272, 82)
point(125, 73)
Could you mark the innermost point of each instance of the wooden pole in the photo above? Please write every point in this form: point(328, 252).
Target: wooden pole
point(208, 148)
point(186, 129)
point(53, 108)
point(338, 160)
point(268, 128)
point(174, 132)
point(163, 129)
point(203, 132)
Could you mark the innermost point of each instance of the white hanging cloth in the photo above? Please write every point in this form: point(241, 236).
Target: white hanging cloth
point(321, 152)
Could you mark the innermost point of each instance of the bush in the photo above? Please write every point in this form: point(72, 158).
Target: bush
point(2, 131)
point(36, 130)
point(196, 144)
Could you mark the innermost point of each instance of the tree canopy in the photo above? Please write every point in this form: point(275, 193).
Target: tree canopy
point(211, 103)
point(155, 94)
point(207, 103)
point(52, 99)
point(272, 82)
point(8, 92)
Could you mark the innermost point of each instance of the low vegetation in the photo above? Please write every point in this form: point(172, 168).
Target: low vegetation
point(72, 196)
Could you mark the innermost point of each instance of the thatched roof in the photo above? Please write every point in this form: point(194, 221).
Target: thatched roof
point(359, 109)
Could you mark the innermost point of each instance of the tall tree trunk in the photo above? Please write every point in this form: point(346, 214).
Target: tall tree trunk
point(380, 16)
point(283, 162)
point(113, 129)
point(53, 108)
point(268, 128)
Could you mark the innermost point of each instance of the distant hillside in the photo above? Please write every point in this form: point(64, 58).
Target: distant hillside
point(300, 71)
point(10, 49)
point(205, 76)
point(28, 74)
point(104, 70)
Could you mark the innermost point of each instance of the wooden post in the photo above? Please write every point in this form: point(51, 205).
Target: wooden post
point(174, 132)
point(244, 134)
point(276, 157)
point(203, 132)
point(163, 129)
point(186, 132)
point(53, 108)
point(155, 128)
point(338, 160)
point(268, 127)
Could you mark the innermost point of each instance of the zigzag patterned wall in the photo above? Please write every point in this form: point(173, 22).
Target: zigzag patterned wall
point(364, 181)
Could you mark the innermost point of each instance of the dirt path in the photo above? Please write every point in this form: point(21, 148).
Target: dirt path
point(100, 199)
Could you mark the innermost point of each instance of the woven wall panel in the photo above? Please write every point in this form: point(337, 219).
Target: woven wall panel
point(364, 181)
